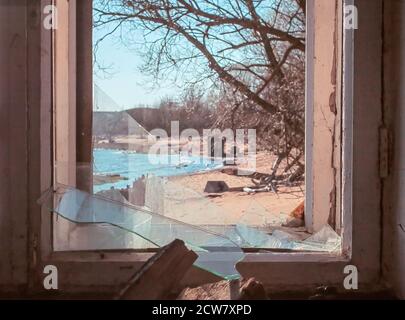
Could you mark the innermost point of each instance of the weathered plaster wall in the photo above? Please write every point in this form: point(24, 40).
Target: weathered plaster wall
point(325, 116)
point(394, 107)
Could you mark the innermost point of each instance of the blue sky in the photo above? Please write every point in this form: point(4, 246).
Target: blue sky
point(123, 81)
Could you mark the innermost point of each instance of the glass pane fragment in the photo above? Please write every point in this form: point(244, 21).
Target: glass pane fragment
point(216, 253)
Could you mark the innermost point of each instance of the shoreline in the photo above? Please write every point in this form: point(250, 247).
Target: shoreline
point(184, 198)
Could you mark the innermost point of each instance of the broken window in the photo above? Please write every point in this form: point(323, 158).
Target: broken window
point(199, 117)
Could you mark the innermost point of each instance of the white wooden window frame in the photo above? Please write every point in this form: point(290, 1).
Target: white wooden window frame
point(96, 270)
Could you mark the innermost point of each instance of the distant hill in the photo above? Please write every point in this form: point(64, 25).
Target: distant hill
point(149, 118)
point(109, 124)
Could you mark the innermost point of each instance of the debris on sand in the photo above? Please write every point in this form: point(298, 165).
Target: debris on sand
point(216, 187)
point(249, 289)
point(296, 217)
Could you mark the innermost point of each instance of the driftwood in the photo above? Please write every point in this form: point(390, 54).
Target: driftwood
point(160, 274)
point(263, 182)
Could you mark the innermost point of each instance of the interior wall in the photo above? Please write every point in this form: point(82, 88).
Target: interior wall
point(394, 107)
point(24, 87)
point(13, 144)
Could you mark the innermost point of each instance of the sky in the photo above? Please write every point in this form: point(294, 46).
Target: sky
point(122, 80)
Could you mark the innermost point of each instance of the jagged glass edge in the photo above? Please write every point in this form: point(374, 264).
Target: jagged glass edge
point(48, 199)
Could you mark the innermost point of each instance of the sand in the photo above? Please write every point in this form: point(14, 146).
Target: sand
point(259, 209)
point(186, 201)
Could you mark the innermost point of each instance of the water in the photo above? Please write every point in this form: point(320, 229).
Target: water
point(133, 165)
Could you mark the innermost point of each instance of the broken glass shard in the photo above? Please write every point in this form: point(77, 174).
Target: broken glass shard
point(325, 240)
point(216, 253)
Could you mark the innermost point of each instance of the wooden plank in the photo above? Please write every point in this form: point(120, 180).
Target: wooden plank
point(64, 109)
point(160, 274)
point(64, 98)
point(84, 94)
point(13, 143)
point(39, 127)
point(323, 176)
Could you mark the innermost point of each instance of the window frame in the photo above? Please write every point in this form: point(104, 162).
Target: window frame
point(281, 271)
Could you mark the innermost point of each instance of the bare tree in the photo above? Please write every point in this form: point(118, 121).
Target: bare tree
point(254, 48)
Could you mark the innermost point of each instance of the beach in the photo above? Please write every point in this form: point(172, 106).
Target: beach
point(233, 207)
point(181, 189)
